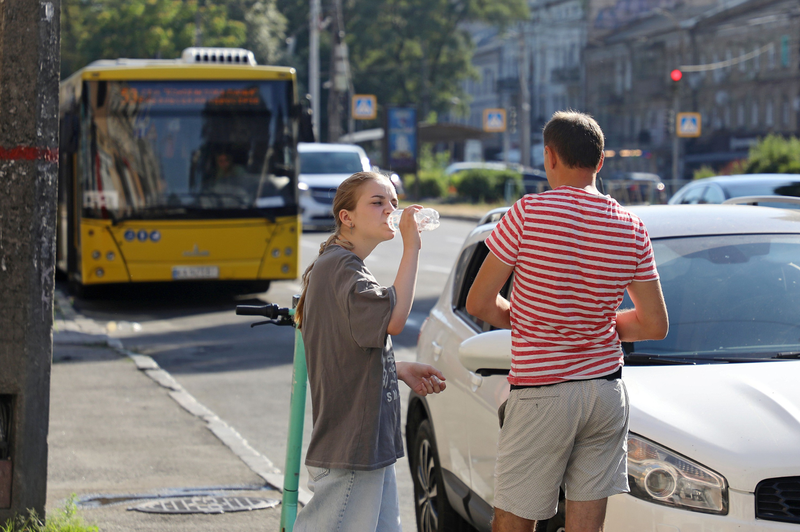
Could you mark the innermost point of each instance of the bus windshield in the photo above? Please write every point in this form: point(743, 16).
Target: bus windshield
point(189, 149)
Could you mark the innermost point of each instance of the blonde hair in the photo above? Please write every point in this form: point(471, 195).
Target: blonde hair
point(346, 199)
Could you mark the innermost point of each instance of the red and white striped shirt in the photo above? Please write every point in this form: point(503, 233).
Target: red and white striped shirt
point(573, 254)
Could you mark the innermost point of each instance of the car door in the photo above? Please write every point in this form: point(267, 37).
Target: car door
point(488, 393)
point(438, 345)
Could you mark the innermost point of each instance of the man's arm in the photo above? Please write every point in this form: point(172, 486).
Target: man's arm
point(648, 319)
point(484, 300)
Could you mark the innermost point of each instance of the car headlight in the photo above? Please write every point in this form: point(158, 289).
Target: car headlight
point(661, 476)
point(303, 188)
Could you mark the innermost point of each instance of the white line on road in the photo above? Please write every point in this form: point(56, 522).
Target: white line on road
point(434, 268)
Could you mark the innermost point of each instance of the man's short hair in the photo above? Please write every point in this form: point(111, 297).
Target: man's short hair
point(576, 138)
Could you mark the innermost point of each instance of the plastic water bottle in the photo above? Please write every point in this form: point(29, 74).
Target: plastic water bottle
point(427, 219)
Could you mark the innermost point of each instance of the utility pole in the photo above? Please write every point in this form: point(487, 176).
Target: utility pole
point(339, 74)
point(525, 102)
point(29, 74)
point(313, 64)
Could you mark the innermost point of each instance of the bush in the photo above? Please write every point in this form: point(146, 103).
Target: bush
point(774, 154)
point(61, 520)
point(432, 184)
point(703, 172)
point(488, 186)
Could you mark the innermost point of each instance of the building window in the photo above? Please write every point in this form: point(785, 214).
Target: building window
point(754, 114)
point(727, 116)
point(768, 113)
point(742, 64)
point(756, 60)
point(740, 115)
point(771, 56)
point(785, 51)
point(786, 117)
point(728, 58)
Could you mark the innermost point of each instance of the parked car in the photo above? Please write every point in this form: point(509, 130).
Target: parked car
point(631, 188)
point(322, 168)
point(715, 406)
point(720, 188)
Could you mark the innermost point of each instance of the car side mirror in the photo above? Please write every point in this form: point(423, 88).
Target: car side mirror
point(487, 353)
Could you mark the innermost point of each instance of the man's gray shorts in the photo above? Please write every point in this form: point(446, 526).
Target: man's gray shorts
point(571, 435)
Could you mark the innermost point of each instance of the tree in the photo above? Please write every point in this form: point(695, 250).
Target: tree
point(109, 29)
point(405, 51)
point(774, 154)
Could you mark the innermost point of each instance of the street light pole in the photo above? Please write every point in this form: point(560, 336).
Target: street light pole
point(313, 64)
point(525, 102)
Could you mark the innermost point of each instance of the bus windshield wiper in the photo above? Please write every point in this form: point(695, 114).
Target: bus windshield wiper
point(637, 358)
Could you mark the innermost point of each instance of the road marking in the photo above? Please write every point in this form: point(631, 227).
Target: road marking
point(434, 268)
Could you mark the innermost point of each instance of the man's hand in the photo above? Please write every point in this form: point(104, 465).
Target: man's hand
point(422, 378)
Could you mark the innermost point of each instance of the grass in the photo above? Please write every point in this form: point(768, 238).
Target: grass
point(61, 520)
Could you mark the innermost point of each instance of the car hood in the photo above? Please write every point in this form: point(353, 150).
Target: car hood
point(741, 420)
point(323, 180)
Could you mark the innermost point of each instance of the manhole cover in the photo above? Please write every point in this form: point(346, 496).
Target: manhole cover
point(205, 505)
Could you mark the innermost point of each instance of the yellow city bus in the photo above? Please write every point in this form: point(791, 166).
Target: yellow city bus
point(184, 169)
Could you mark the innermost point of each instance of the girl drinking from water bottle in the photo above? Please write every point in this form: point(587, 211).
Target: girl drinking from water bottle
point(346, 318)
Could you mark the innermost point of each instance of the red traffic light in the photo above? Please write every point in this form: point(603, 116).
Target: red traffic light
point(676, 75)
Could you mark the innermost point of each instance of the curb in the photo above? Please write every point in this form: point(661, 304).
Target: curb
point(90, 333)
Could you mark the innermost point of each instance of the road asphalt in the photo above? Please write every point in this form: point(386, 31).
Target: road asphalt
point(126, 441)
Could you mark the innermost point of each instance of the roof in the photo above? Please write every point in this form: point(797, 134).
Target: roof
point(307, 147)
point(671, 221)
point(752, 178)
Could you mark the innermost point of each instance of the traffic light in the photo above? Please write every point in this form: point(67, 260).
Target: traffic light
point(676, 75)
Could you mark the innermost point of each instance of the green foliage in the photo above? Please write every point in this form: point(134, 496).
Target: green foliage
point(109, 29)
point(487, 186)
point(703, 172)
point(406, 51)
point(61, 520)
point(431, 185)
point(774, 154)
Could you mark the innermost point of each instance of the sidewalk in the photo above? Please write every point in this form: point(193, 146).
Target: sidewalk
point(122, 435)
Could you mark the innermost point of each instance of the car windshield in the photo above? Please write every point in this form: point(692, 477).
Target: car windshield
point(729, 298)
point(189, 149)
point(330, 162)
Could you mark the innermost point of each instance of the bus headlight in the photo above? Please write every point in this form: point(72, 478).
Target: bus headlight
point(276, 253)
point(288, 252)
point(661, 476)
point(110, 255)
point(95, 254)
point(285, 268)
point(99, 272)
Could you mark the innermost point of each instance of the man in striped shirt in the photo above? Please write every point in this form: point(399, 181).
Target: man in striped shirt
point(573, 253)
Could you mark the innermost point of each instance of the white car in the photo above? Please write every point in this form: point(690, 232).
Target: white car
point(322, 168)
point(714, 442)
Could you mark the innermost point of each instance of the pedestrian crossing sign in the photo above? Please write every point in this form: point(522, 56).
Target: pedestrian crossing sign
point(688, 124)
point(494, 120)
point(364, 107)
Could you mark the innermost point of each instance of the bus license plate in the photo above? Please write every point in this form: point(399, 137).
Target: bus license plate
point(195, 272)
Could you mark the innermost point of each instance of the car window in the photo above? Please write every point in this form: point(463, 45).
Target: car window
point(467, 269)
point(713, 194)
point(693, 196)
point(468, 266)
point(330, 162)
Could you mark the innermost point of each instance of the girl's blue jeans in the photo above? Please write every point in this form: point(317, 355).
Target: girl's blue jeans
point(351, 501)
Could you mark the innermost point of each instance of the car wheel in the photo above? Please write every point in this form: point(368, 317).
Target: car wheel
point(433, 510)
